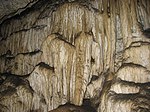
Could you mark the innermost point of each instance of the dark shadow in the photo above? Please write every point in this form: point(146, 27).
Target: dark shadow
point(87, 105)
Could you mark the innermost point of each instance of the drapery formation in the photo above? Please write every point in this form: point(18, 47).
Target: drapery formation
point(58, 52)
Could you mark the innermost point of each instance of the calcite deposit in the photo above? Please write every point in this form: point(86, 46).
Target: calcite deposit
point(75, 56)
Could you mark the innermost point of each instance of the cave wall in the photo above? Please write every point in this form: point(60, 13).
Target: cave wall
point(9, 8)
point(58, 52)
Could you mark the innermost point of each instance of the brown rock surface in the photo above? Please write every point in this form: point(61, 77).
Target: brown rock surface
point(89, 53)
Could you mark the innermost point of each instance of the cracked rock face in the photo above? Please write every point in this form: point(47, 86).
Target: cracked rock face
point(9, 8)
point(75, 56)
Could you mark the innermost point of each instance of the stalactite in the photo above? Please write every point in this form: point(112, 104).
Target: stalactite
point(102, 6)
point(108, 8)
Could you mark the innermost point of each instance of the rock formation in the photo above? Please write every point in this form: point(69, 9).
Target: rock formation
point(75, 56)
